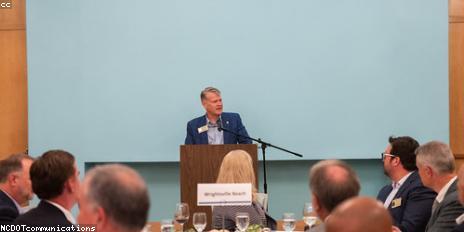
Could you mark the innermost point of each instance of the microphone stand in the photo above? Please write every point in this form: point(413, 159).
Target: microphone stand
point(264, 145)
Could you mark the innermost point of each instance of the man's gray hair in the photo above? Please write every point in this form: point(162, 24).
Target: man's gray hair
point(122, 194)
point(209, 90)
point(12, 164)
point(437, 155)
point(332, 188)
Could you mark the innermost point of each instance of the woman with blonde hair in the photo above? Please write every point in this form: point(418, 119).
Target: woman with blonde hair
point(236, 168)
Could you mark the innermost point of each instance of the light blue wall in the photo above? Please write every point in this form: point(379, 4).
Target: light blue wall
point(112, 80)
point(287, 184)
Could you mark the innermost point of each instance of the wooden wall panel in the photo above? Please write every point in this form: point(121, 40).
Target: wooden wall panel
point(13, 18)
point(456, 68)
point(13, 79)
point(456, 78)
point(456, 10)
point(459, 163)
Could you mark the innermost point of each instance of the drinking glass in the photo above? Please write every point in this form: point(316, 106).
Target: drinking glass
point(308, 215)
point(199, 221)
point(242, 220)
point(167, 226)
point(288, 221)
point(182, 214)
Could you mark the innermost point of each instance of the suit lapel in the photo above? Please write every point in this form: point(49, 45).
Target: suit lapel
point(384, 193)
point(203, 135)
point(225, 120)
point(406, 184)
point(435, 213)
point(450, 190)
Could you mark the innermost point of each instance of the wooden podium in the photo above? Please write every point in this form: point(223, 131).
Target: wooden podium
point(200, 164)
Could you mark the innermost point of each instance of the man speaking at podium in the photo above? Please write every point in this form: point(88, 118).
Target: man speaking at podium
point(207, 128)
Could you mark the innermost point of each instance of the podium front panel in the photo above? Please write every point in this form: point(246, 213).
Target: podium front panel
point(200, 164)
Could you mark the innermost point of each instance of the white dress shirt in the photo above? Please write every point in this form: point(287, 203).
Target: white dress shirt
point(460, 219)
point(441, 194)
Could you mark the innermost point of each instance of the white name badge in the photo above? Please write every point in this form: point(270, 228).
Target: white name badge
point(223, 194)
point(202, 129)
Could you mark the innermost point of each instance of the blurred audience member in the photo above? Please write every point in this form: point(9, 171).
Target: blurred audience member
point(55, 180)
point(15, 186)
point(114, 198)
point(437, 171)
point(359, 214)
point(331, 182)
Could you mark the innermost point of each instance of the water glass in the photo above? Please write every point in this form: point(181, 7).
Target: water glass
point(167, 226)
point(309, 216)
point(199, 221)
point(288, 222)
point(242, 220)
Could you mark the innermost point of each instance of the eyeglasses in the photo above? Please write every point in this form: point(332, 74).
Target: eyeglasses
point(383, 154)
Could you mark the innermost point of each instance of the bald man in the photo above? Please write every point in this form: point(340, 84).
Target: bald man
point(331, 182)
point(359, 214)
point(113, 198)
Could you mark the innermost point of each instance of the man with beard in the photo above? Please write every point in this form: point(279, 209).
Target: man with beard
point(407, 200)
point(15, 186)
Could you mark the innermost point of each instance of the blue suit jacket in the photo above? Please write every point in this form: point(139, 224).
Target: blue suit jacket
point(230, 121)
point(8, 210)
point(416, 204)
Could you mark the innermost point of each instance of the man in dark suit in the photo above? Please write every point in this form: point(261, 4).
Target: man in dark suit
point(205, 129)
point(55, 180)
point(407, 199)
point(15, 186)
point(460, 219)
point(435, 162)
point(460, 184)
point(99, 206)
